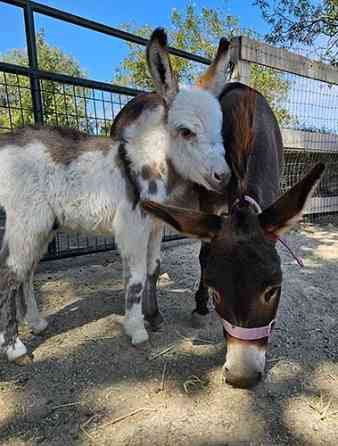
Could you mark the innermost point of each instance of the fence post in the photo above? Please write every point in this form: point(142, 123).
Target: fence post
point(244, 72)
point(34, 80)
point(33, 63)
point(241, 71)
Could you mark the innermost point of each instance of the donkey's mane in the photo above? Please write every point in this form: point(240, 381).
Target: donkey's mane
point(133, 110)
point(243, 135)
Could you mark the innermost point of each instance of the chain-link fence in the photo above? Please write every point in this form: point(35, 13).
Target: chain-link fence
point(303, 94)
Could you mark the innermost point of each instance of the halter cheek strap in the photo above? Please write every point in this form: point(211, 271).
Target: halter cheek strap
point(248, 334)
point(251, 201)
point(270, 235)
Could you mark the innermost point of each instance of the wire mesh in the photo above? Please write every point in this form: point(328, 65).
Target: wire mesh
point(87, 109)
point(298, 102)
point(323, 205)
point(307, 111)
point(16, 108)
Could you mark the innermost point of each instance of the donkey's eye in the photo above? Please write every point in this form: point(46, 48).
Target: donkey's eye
point(270, 293)
point(186, 133)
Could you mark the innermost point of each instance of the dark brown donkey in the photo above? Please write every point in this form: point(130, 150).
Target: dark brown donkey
point(240, 263)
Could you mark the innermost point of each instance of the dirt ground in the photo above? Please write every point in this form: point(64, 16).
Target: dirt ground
point(89, 386)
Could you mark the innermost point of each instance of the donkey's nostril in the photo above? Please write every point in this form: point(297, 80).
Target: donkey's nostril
point(219, 181)
point(222, 178)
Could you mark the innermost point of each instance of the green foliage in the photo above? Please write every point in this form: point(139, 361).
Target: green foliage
point(310, 23)
point(195, 32)
point(62, 105)
point(198, 32)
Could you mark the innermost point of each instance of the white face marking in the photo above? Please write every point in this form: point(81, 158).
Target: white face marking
point(201, 157)
point(243, 359)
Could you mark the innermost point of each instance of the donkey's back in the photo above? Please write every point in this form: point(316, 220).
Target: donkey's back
point(54, 169)
point(34, 147)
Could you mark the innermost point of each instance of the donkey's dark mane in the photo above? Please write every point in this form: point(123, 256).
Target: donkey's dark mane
point(243, 136)
point(133, 110)
point(254, 148)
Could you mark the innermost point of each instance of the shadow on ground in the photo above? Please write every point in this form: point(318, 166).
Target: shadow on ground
point(86, 375)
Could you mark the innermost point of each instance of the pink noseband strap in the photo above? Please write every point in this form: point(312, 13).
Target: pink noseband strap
point(248, 334)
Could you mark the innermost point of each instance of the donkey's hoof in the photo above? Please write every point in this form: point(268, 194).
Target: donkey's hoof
point(135, 329)
point(155, 321)
point(37, 327)
point(198, 320)
point(139, 337)
point(24, 360)
point(17, 351)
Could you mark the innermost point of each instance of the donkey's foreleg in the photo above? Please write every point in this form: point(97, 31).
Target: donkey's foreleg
point(9, 340)
point(150, 304)
point(133, 239)
point(202, 294)
point(135, 275)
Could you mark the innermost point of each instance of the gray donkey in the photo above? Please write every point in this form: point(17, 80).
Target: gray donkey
point(161, 145)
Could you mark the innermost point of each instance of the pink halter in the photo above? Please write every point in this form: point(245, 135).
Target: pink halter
point(248, 334)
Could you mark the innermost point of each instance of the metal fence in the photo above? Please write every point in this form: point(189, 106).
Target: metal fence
point(304, 95)
point(307, 104)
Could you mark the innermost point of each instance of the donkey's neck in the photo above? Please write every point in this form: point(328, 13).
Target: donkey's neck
point(150, 170)
point(148, 148)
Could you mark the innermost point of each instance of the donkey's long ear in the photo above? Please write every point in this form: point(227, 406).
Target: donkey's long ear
point(288, 210)
point(159, 65)
point(186, 221)
point(214, 78)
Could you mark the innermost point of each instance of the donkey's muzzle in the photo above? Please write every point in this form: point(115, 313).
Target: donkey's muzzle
point(244, 362)
point(240, 381)
point(219, 181)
